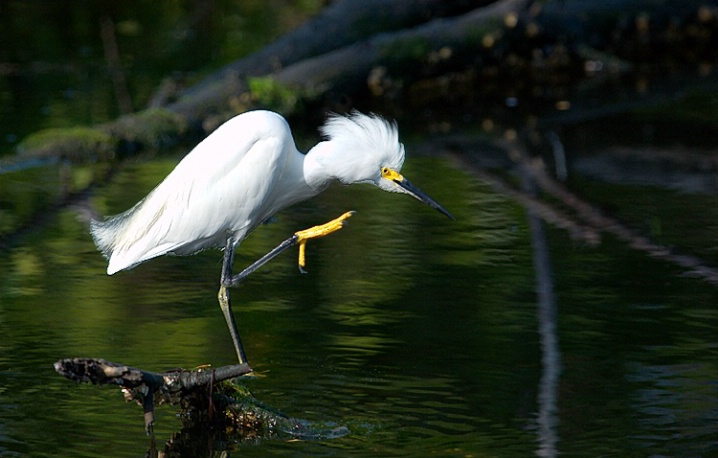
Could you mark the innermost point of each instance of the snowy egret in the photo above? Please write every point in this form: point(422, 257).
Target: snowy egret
point(238, 177)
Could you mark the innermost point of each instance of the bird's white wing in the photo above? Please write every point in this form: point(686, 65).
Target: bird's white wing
point(217, 189)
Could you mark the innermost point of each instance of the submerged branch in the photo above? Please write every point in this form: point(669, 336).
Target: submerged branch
point(214, 407)
point(102, 372)
point(148, 387)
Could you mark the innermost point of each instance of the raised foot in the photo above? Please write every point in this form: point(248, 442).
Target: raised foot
point(316, 232)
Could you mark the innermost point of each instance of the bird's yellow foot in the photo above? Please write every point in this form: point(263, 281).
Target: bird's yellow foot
point(316, 232)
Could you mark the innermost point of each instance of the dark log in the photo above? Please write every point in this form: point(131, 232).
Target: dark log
point(341, 24)
point(346, 49)
point(438, 41)
point(347, 24)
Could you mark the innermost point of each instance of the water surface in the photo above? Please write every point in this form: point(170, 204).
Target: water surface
point(491, 335)
point(419, 334)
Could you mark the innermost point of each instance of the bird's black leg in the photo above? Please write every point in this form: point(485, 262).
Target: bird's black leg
point(299, 237)
point(279, 249)
point(224, 301)
point(227, 262)
point(228, 280)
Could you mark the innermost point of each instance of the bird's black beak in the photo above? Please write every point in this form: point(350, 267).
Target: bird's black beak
point(412, 190)
point(418, 194)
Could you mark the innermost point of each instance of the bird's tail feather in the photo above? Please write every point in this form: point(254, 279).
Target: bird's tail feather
point(103, 236)
point(106, 235)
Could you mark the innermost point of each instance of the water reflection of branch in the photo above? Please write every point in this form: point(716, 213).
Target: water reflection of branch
point(547, 419)
point(545, 211)
point(585, 223)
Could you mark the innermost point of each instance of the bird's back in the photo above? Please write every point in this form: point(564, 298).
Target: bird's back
point(221, 188)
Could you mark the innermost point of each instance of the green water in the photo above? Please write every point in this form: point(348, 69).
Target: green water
point(420, 335)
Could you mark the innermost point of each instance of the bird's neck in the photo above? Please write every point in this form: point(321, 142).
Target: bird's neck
point(292, 188)
point(320, 166)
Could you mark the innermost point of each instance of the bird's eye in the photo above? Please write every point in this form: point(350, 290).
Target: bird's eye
point(385, 171)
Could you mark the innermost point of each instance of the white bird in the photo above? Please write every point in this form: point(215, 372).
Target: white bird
point(242, 174)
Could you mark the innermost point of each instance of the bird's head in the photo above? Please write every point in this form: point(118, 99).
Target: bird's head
point(366, 149)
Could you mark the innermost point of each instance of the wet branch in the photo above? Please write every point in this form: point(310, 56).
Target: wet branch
point(147, 387)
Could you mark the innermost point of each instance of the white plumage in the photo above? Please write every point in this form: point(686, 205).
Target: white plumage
point(243, 173)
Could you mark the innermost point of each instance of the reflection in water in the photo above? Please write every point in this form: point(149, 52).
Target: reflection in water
point(417, 336)
point(420, 340)
point(674, 400)
point(550, 352)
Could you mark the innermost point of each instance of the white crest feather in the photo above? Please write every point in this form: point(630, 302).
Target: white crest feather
point(362, 133)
